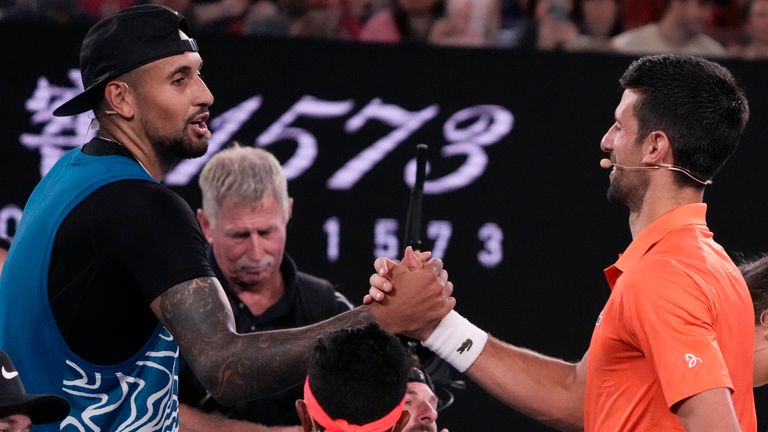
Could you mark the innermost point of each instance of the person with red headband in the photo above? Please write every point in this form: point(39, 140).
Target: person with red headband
point(356, 382)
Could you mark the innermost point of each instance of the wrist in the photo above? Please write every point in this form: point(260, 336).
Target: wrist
point(457, 341)
point(375, 312)
point(423, 334)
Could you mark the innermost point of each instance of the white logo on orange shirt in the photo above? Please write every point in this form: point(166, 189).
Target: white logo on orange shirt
point(693, 360)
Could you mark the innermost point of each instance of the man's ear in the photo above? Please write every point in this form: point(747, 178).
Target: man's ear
point(290, 209)
point(205, 224)
point(117, 100)
point(306, 420)
point(402, 422)
point(763, 328)
point(658, 149)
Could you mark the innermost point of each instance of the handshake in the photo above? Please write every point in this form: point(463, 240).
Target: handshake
point(412, 296)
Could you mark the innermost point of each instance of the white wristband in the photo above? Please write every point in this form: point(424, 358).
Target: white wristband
point(457, 341)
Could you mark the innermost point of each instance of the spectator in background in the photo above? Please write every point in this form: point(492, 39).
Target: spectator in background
point(354, 14)
point(468, 23)
point(297, 18)
point(268, 18)
point(99, 9)
point(18, 410)
point(225, 16)
point(598, 21)
point(245, 215)
point(513, 23)
point(639, 13)
point(403, 21)
point(58, 12)
point(549, 26)
point(680, 31)
point(356, 381)
point(754, 43)
point(322, 19)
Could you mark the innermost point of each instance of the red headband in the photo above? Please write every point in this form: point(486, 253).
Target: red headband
point(316, 411)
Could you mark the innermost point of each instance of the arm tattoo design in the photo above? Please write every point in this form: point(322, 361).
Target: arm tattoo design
point(232, 366)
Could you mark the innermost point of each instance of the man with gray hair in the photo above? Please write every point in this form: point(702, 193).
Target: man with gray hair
point(245, 214)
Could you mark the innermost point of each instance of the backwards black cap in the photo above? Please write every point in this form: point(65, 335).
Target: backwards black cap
point(131, 38)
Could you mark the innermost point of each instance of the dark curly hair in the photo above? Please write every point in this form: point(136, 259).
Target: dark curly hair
point(358, 374)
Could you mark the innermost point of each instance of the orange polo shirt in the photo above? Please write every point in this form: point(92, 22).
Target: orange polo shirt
point(679, 321)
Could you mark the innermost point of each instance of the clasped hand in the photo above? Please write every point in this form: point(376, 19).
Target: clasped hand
point(412, 296)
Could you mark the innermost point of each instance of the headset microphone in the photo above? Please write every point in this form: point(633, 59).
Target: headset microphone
point(606, 163)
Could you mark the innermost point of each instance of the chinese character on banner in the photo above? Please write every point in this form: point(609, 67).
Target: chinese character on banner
point(57, 134)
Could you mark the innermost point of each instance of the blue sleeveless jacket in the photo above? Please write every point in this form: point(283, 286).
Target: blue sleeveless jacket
point(140, 394)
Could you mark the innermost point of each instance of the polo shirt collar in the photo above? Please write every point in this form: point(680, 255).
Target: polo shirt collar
point(686, 214)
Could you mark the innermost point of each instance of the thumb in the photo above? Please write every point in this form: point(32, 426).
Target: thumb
point(412, 259)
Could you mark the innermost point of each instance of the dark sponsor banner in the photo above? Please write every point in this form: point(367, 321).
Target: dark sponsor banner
point(514, 198)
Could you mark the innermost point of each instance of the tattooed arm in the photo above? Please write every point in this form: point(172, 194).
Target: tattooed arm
point(236, 366)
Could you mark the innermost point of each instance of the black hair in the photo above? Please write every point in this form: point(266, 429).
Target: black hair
point(696, 102)
point(755, 273)
point(359, 374)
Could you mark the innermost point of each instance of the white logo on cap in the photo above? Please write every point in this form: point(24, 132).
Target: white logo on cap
point(9, 375)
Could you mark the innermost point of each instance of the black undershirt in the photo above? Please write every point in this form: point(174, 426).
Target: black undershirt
point(116, 251)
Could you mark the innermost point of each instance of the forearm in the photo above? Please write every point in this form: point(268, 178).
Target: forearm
point(544, 388)
point(237, 367)
point(194, 420)
point(709, 411)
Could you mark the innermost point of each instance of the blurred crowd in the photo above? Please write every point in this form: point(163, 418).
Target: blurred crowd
point(713, 28)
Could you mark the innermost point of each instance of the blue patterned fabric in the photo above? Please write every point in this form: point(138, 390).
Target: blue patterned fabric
point(138, 395)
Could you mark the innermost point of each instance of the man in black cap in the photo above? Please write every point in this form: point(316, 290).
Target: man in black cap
point(108, 277)
point(421, 402)
point(18, 410)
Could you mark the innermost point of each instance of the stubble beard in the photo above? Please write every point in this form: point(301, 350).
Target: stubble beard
point(626, 193)
point(170, 150)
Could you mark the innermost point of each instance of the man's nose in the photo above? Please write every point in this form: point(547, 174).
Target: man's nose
point(205, 98)
point(255, 247)
point(606, 143)
point(426, 413)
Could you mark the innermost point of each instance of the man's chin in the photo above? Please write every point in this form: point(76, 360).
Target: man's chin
point(195, 149)
point(251, 281)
